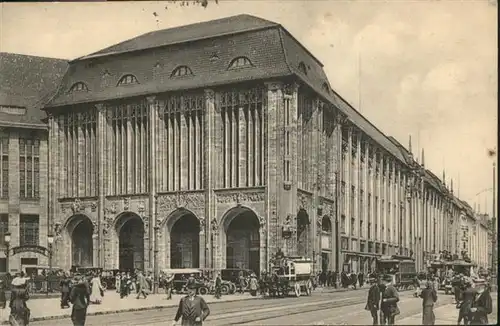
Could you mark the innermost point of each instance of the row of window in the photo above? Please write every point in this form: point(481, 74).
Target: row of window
point(29, 168)
point(239, 62)
point(29, 229)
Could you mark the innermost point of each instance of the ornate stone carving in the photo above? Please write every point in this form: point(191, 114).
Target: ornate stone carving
point(319, 221)
point(209, 94)
point(240, 197)
point(93, 207)
point(171, 202)
point(141, 208)
point(202, 224)
point(262, 222)
point(303, 201)
point(108, 224)
point(57, 229)
point(126, 203)
point(145, 220)
point(112, 209)
point(77, 206)
point(215, 225)
point(288, 89)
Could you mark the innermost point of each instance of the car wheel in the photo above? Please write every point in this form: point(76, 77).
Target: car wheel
point(203, 290)
point(224, 289)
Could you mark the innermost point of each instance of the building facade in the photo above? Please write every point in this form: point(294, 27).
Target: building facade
point(173, 155)
point(24, 81)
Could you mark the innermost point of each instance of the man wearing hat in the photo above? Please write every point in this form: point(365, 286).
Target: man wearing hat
point(80, 298)
point(466, 303)
point(429, 297)
point(192, 309)
point(373, 301)
point(169, 284)
point(482, 303)
point(390, 298)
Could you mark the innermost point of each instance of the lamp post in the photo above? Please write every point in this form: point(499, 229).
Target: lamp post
point(50, 241)
point(6, 240)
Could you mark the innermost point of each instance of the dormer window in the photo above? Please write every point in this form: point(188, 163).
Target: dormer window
point(325, 87)
point(128, 80)
point(302, 68)
point(79, 87)
point(240, 62)
point(181, 71)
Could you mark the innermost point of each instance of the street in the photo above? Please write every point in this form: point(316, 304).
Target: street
point(325, 308)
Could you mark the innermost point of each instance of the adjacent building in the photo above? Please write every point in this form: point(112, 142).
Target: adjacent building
point(213, 145)
point(26, 82)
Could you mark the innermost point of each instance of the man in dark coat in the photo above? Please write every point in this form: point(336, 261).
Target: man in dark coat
point(361, 279)
point(80, 298)
point(465, 304)
point(218, 286)
point(429, 297)
point(373, 302)
point(192, 309)
point(482, 304)
point(65, 290)
point(390, 299)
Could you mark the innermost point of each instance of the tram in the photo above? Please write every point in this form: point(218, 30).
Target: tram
point(401, 268)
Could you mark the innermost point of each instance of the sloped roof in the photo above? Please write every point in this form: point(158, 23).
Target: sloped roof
point(26, 83)
point(187, 33)
point(152, 57)
point(406, 153)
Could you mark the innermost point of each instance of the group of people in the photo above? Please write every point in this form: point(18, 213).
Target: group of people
point(126, 284)
point(330, 279)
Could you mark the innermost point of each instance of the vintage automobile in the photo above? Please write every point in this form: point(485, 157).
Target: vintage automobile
point(294, 274)
point(401, 268)
point(232, 275)
point(108, 278)
point(181, 276)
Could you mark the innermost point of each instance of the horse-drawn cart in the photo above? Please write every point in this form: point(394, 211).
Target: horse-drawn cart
point(291, 274)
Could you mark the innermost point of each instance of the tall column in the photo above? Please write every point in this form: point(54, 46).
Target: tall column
point(273, 98)
point(348, 186)
point(153, 118)
point(101, 188)
point(211, 161)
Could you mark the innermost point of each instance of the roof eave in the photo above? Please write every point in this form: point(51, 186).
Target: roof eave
point(23, 125)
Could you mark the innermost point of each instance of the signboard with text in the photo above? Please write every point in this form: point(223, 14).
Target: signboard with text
point(29, 248)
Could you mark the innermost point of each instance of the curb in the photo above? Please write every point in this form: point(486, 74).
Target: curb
point(117, 311)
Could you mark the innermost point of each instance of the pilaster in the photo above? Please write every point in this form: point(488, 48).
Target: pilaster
point(149, 238)
point(101, 170)
point(211, 166)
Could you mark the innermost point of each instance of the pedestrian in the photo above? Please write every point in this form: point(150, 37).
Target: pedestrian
point(429, 297)
point(218, 285)
point(118, 282)
point(169, 284)
point(390, 299)
point(65, 285)
point(192, 309)
point(361, 277)
point(373, 300)
point(241, 282)
point(97, 291)
point(482, 304)
point(124, 286)
point(254, 285)
point(3, 299)
point(142, 285)
point(80, 298)
point(465, 304)
point(19, 311)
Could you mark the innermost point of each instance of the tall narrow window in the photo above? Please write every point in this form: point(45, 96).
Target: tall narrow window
point(342, 224)
point(4, 171)
point(29, 230)
point(4, 227)
point(29, 168)
point(286, 136)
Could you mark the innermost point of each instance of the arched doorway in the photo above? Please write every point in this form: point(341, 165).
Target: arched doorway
point(326, 243)
point(303, 233)
point(242, 239)
point(81, 229)
point(185, 241)
point(130, 229)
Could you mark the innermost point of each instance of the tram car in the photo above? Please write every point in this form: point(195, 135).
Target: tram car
point(292, 275)
point(401, 268)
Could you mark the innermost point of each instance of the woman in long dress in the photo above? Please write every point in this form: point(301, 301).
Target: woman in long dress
point(97, 290)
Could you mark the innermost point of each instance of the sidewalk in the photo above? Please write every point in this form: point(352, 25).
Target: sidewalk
point(48, 309)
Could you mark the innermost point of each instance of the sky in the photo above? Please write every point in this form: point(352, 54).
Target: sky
point(422, 68)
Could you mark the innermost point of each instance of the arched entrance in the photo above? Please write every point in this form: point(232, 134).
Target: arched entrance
point(326, 243)
point(80, 230)
point(303, 225)
point(242, 239)
point(185, 241)
point(130, 230)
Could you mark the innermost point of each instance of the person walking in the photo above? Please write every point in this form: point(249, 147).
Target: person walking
point(80, 298)
point(169, 284)
point(65, 285)
point(118, 282)
point(192, 309)
point(482, 304)
point(3, 299)
point(97, 292)
point(254, 285)
point(19, 311)
point(390, 299)
point(218, 285)
point(429, 297)
point(142, 285)
point(373, 300)
point(465, 304)
point(361, 279)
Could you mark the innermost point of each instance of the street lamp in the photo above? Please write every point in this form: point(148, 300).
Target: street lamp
point(50, 241)
point(6, 240)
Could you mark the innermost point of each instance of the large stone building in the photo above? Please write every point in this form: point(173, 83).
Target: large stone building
point(213, 145)
point(25, 84)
